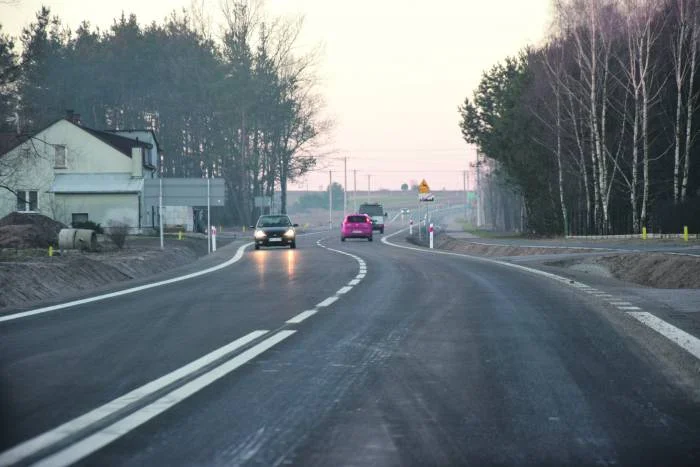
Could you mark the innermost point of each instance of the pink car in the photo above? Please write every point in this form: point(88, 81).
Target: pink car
point(356, 226)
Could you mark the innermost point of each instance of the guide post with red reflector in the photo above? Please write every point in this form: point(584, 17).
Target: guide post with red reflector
point(213, 238)
point(430, 229)
point(410, 227)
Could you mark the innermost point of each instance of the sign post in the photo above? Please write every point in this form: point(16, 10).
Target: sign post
point(424, 195)
point(208, 215)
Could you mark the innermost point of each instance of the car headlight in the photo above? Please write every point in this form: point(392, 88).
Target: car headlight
point(289, 233)
point(259, 234)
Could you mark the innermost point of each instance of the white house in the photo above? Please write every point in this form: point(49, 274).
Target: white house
point(73, 173)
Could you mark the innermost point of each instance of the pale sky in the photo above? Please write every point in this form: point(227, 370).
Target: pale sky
point(392, 72)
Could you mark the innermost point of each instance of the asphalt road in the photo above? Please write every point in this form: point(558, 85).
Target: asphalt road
point(402, 358)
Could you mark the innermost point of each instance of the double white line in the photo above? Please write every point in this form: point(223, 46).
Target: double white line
point(84, 435)
point(91, 425)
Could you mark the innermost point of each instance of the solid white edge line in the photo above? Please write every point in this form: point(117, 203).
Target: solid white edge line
point(302, 316)
point(98, 440)
point(36, 444)
point(327, 302)
point(687, 341)
point(23, 314)
point(693, 343)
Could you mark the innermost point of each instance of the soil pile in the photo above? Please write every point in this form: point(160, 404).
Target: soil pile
point(21, 230)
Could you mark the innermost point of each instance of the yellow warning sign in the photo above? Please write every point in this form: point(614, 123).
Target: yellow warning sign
point(423, 188)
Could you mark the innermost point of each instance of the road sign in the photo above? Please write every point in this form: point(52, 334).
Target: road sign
point(423, 188)
point(424, 193)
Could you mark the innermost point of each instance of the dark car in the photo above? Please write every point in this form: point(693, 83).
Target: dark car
point(275, 230)
point(376, 212)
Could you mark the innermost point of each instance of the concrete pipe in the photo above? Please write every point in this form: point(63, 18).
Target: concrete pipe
point(66, 239)
point(85, 239)
point(77, 239)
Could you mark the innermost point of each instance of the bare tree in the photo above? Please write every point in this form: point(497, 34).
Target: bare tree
point(691, 95)
point(592, 24)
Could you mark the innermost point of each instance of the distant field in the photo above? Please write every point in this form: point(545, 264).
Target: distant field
point(392, 200)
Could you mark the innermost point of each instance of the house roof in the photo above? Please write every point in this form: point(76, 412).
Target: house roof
point(136, 130)
point(9, 141)
point(120, 143)
point(94, 183)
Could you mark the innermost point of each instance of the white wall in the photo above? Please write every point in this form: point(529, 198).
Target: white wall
point(32, 171)
point(86, 153)
point(178, 215)
point(100, 208)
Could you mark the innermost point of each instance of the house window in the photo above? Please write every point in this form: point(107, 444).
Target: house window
point(27, 200)
point(79, 218)
point(60, 157)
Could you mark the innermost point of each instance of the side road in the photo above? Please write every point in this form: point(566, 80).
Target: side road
point(665, 284)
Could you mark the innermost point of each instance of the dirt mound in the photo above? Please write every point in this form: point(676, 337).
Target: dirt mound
point(480, 249)
point(42, 278)
point(658, 270)
point(19, 230)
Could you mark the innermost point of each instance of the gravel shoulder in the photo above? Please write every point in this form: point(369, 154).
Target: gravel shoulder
point(30, 276)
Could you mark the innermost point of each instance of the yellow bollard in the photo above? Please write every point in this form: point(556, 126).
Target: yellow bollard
point(244, 228)
point(685, 233)
point(644, 233)
point(179, 235)
point(50, 250)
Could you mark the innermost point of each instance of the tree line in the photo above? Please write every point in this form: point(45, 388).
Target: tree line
point(242, 106)
point(596, 128)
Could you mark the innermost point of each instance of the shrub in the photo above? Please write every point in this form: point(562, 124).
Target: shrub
point(89, 225)
point(117, 232)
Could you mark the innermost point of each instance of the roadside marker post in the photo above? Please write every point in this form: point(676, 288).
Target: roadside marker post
point(50, 250)
point(685, 233)
point(410, 227)
point(644, 233)
point(179, 235)
point(431, 236)
point(213, 238)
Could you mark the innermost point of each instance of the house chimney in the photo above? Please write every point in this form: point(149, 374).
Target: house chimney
point(72, 117)
point(137, 162)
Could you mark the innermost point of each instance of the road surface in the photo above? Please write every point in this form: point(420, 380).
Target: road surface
point(352, 353)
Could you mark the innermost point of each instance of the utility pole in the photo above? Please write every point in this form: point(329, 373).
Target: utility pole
point(368, 186)
point(466, 197)
point(345, 187)
point(354, 191)
point(330, 200)
point(479, 218)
